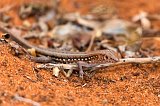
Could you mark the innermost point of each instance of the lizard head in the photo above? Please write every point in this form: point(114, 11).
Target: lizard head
point(109, 55)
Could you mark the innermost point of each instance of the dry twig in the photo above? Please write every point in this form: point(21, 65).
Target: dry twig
point(19, 98)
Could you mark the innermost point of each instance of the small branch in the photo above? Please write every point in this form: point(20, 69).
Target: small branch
point(22, 99)
point(51, 65)
point(141, 60)
point(91, 42)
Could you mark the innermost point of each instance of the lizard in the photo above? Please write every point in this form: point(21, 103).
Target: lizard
point(91, 58)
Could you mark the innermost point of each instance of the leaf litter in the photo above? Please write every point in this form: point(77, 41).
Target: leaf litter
point(125, 37)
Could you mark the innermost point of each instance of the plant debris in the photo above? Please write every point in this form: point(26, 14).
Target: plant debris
point(132, 34)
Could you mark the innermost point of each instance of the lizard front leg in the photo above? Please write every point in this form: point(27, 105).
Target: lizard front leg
point(82, 64)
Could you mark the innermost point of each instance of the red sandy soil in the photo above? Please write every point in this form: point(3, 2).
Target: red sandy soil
point(130, 84)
